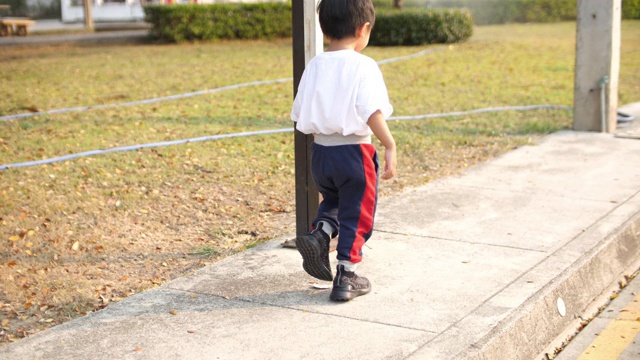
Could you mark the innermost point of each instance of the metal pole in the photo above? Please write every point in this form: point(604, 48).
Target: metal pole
point(307, 42)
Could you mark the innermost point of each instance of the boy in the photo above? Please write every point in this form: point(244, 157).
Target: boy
point(342, 99)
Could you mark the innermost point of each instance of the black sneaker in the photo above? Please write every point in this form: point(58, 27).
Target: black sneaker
point(314, 248)
point(347, 285)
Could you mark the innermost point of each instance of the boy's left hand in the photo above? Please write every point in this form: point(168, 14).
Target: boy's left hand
point(390, 164)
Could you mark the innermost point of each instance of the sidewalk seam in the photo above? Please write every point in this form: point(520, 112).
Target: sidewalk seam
point(249, 301)
point(462, 241)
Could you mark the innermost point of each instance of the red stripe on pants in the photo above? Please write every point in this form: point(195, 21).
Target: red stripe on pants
point(368, 205)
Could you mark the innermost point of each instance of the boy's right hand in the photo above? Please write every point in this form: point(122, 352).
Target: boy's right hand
point(380, 129)
point(390, 164)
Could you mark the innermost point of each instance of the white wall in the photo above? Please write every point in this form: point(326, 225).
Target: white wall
point(102, 12)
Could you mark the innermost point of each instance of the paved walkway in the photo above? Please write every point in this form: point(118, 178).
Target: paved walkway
point(492, 264)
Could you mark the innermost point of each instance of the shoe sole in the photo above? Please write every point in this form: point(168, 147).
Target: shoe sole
point(311, 252)
point(338, 294)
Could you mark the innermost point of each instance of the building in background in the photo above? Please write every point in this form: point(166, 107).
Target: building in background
point(102, 10)
point(72, 11)
point(123, 10)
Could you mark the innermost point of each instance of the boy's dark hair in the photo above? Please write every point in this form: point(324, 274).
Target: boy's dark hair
point(340, 19)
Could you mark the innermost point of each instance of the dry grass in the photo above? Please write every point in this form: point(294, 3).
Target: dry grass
point(78, 235)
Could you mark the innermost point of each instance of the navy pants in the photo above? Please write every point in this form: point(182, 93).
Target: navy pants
point(347, 178)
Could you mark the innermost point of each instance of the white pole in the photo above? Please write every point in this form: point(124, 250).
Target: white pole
point(312, 32)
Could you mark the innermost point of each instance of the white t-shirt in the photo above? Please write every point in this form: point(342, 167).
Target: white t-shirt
point(338, 92)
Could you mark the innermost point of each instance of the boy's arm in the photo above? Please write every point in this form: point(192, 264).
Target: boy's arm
point(378, 125)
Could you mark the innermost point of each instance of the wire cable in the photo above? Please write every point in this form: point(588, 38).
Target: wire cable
point(147, 101)
point(190, 94)
point(264, 132)
point(480, 111)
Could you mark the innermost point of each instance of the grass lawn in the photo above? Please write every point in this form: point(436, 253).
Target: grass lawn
point(78, 235)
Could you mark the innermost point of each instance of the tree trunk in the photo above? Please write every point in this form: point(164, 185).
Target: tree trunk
point(88, 18)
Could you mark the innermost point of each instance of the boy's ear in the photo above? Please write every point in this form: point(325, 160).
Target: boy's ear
point(363, 29)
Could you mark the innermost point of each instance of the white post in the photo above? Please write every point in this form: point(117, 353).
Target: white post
point(597, 65)
point(312, 32)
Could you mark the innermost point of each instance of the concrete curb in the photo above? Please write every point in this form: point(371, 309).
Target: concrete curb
point(583, 286)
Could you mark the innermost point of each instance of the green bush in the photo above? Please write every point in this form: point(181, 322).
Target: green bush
point(32, 9)
point(631, 9)
point(417, 27)
point(178, 23)
point(510, 11)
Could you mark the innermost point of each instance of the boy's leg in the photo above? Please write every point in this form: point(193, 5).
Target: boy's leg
point(358, 200)
point(314, 246)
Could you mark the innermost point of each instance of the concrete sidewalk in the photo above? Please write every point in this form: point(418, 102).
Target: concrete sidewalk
point(466, 267)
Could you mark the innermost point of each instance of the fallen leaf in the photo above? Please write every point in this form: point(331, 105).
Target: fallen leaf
point(320, 286)
point(191, 331)
point(14, 238)
point(76, 246)
point(173, 312)
point(138, 349)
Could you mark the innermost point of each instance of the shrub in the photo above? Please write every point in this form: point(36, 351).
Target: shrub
point(505, 11)
point(631, 9)
point(509, 11)
point(178, 23)
point(416, 27)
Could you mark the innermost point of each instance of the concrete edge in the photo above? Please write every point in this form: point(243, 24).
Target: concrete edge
point(584, 286)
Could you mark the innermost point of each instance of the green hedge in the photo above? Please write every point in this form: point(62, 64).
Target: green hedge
point(507, 11)
point(32, 9)
point(178, 23)
point(510, 11)
point(417, 27)
point(631, 9)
